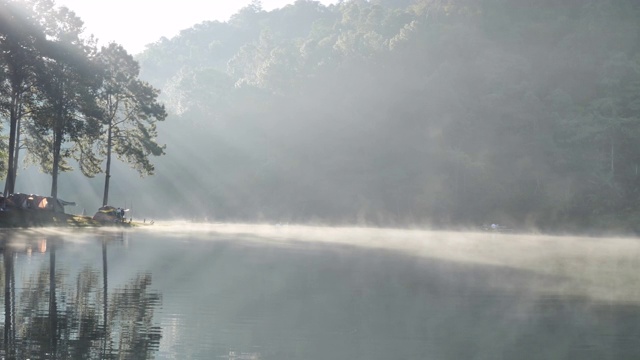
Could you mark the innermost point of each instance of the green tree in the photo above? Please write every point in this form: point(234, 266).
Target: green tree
point(20, 36)
point(66, 111)
point(131, 110)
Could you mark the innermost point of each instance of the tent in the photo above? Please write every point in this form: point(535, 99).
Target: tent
point(35, 202)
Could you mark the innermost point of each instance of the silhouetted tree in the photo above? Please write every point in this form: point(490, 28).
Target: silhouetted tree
point(131, 110)
point(20, 37)
point(66, 110)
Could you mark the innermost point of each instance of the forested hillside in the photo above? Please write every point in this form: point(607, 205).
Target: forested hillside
point(402, 112)
point(407, 112)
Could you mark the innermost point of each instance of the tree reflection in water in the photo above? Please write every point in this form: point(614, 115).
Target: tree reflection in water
point(9, 301)
point(61, 315)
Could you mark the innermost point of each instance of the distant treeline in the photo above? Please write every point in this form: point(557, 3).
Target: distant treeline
point(389, 112)
point(401, 112)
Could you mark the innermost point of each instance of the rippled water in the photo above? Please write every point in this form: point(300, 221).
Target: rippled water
point(190, 291)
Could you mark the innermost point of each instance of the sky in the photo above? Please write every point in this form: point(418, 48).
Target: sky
point(136, 23)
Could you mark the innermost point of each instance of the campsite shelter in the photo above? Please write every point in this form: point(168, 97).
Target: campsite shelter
point(35, 202)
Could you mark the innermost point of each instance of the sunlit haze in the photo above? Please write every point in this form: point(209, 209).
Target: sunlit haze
point(137, 23)
point(576, 262)
point(481, 115)
point(320, 179)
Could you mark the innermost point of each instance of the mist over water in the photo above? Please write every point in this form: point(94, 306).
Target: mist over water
point(376, 113)
point(598, 267)
point(249, 291)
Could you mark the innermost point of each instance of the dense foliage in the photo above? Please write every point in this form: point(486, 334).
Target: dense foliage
point(395, 112)
point(382, 112)
point(63, 100)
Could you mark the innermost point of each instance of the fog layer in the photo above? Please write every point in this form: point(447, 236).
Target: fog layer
point(397, 113)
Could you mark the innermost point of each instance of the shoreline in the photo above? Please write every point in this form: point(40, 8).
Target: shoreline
point(29, 218)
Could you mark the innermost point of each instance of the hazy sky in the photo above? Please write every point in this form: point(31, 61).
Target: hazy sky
point(135, 23)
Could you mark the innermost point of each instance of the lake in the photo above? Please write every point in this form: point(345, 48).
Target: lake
point(234, 291)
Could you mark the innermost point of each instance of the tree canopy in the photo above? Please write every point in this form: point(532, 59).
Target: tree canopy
point(411, 112)
point(381, 112)
point(60, 93)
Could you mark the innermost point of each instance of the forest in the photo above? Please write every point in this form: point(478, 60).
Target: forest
point(442, 113)
point(66, 101)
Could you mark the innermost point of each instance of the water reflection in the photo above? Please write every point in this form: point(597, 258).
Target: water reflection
point(67, 312)
point(249, 294)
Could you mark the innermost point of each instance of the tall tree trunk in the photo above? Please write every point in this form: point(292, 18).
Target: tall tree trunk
point(16, 154)
point(105, 198)
point(57, 144)
point(58, 132)
point(9, 185)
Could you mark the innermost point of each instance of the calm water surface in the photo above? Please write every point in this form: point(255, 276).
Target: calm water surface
point(190, 291)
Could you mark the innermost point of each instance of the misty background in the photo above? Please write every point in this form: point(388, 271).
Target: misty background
point(393, 113)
